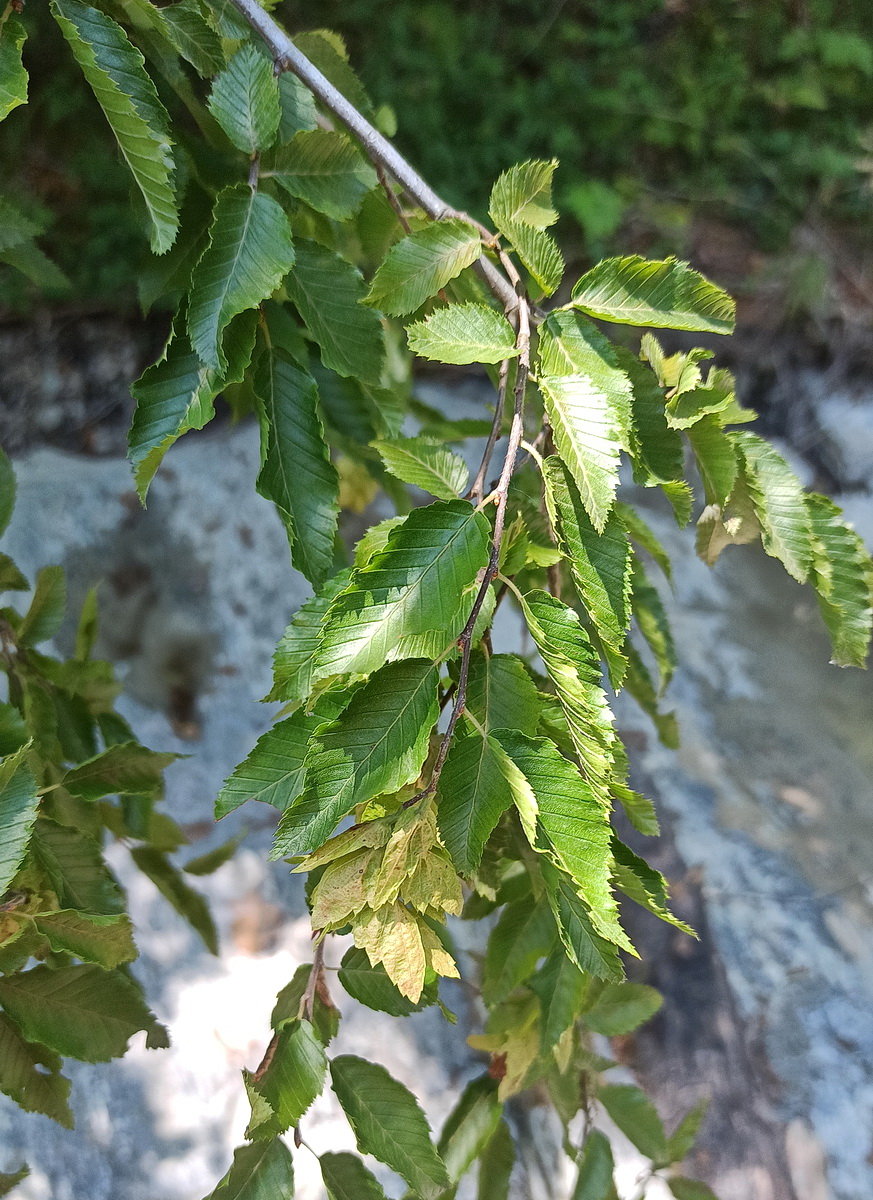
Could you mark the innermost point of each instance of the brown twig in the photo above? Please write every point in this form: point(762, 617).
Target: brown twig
point(477, 491)
point(307, 1001)
point(393, 198)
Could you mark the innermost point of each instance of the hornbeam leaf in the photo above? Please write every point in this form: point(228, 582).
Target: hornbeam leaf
point(10, 1180)
point(524, 934)
point(7, 492)
point(644, 885)
point(644, 536)
point(416, 584)
point(297, 107)
point(595, 1180)
point(473, 793)
point(327, 292)
point(584, 945)
point(470, 1126)
point(30, 1075)
point(389, 1124)
point(191, 35)
point(38, 267)
point(640, 684)
point(841, 574)
point(716, 459)
point(259, 1171)
point(422, 263)
point(600, 562)
point(575, 824)
point(427, 464)
point(370, 985)
point(495, 1165)
point(664, 294)
point(172, 886)
point(324, 169)
point(46, 613)
point(561, 987)
point(635, 1115)
point(573, 668)
point(295, 1075)
point(296, 472)
point(13, 77)
point(18, 807)
point(717, 395)
point(74, 865)
point(245, 100)
point(176, 394)
point(248, 255)
point(104, 940)
point(273, 772)
point(346, 1178)
point(521, 208)
point(653, 623)
point(539, 252)
point(124, 769)
point(463, 333)
point(294, 659)
point(621, 1008)
point(779, 503)
point(690, 1189)
point(501, 693)
point(656, 448)
point(378, 744)
point(327, 51)
point(588, 403)
point(81, 1012)
point(116, 72)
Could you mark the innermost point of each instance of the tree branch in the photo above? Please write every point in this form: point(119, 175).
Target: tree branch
point(378, 148)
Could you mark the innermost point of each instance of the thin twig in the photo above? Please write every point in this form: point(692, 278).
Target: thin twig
point(254, 170)
point(393, 198)
point(307, 1002)
point(476, 492)
point(377, 148)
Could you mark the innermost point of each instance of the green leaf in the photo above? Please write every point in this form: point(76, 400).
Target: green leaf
point(664, 294)
point(561, 988)
point(639, 810)
point(346, 1178)
point(600, 562)
point(501, 693)
point(389, 1124)
point(273, 771)
point(463, 333)
point(685, 1134)
point(13, 732)
point(13, 77)
point(248, 255)
point(377, 745)
point(584, 945)
point(7, 493)
point(18, 807)
point(189, 32)
point(294, 659)
point(416, 584)
point(75, 867)
point(327, 51)
point(573, 668)
point(521, 208)
point(575, 823)
point(841, 574)
point(36, 266)
point(372, 987)
point(297, 106)
point(495, 1165)
point(295, 1074)
point(324, 169)
point(106, 941)
point(176, 394)
point(325, 1016)
point(656, 449)
point(116, 72)
point(716, 459)
point(259, 1171)
point(635, 1115)
point(296, 472)
point(645, 537)
point(427, 464)
point(422, 263)
point(645, 886)
point(653, 624)
point(714, 397)
point(126, 768)
point(8, 1180)
point(641, 686)
point(622, 1007)
point(172, 886)
point(81, 1012)
point(595, 1180)
point(588, 399)
point(690, 1189)
point(245, 100)
point(327, 292)
point(779, 503)
point(473, 793)
point(46, 613)
point(470, 1126)
point(30, 1075)
point(524, 934)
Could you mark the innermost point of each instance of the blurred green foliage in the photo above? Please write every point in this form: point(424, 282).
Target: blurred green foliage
point(750, 110)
